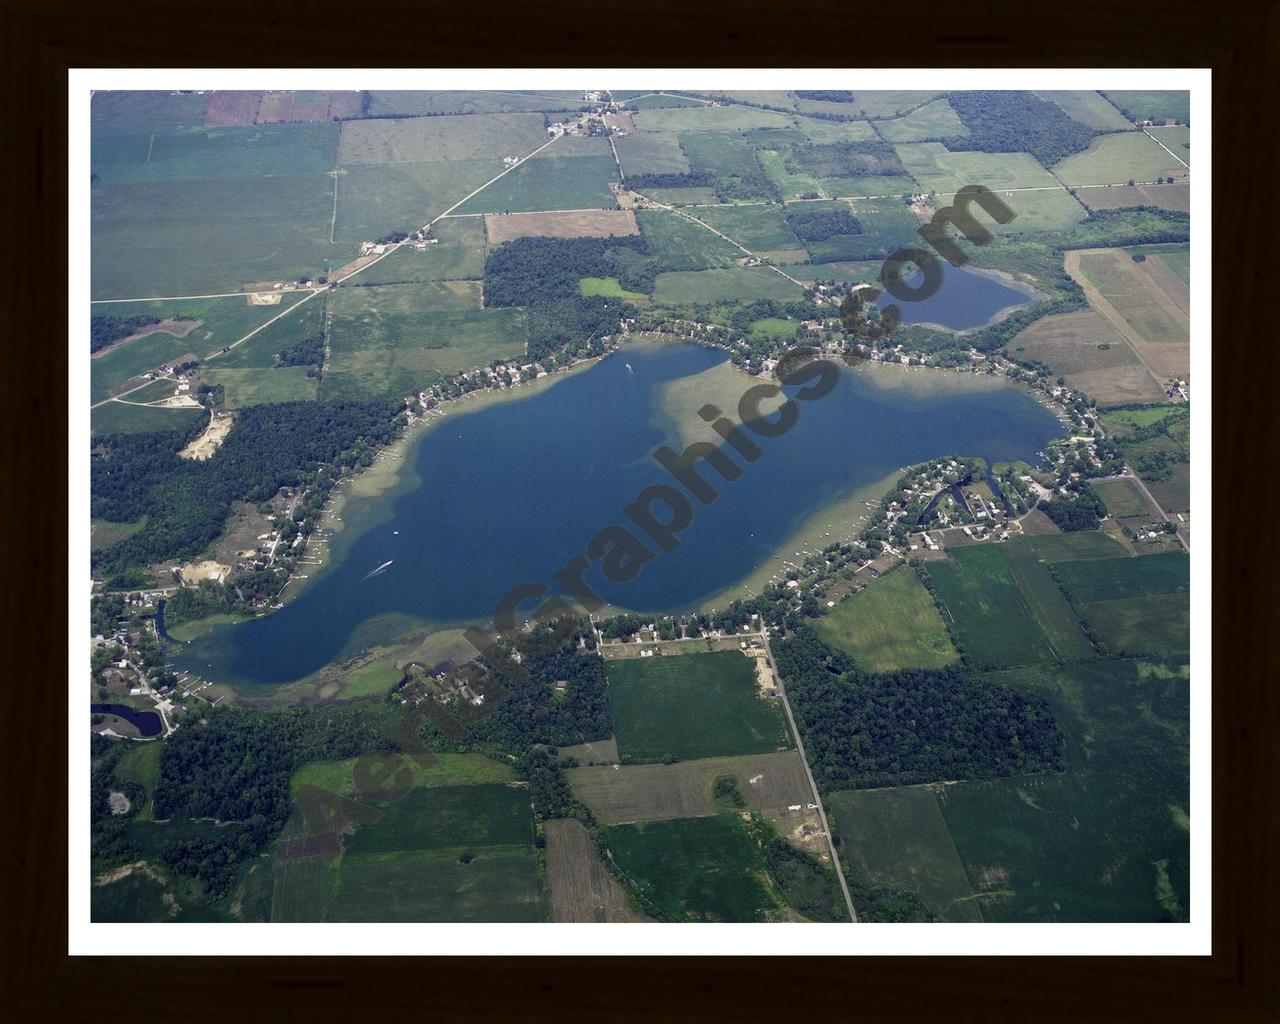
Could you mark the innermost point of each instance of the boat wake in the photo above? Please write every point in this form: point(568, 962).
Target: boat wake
point(377, 572)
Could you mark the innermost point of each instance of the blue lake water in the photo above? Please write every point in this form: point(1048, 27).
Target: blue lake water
point(966, 299)
point(508, 492)
point(147, 722)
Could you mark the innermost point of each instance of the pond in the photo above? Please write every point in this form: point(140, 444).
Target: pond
point(967, 299)
point(146, 722)
point(508, 492)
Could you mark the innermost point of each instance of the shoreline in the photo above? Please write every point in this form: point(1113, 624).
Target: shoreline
point(1030, 291)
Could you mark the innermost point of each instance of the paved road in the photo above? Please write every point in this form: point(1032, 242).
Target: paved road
point(822, 814)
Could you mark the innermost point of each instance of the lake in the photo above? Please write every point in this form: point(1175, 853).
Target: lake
point(508, 492)
point(967, 299)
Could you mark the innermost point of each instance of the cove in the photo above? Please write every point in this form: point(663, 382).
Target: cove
point(967, 299)
point(508, 492)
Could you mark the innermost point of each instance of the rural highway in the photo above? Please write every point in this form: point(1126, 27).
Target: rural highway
point(817, 799)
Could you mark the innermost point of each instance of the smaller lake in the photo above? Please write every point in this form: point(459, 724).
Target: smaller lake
point(146, 722)
point(966, 300)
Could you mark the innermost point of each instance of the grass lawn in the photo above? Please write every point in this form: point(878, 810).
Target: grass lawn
point(711, 286)
point(695, 869)
point(697, 705)
point(892, 624)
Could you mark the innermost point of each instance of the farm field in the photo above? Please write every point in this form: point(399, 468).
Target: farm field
point(892, 624)
point(249, 229)
point(791, 185)
point(1116, 158)
point(992, 616)
point(1089, 108)
point(705, 118)
point(1085, 348)
point(579, 887)
point(887, 225)
point(266, 344)
point(1052, 210)
point(1030, 569)
point(1175, 197)
point(1157, 105)
point(578, 224)
point(651, 153)
point(146, 110)
point(119, 418)
point(383, 355)
point(1175, 137)
point(682, 288)
point(679, 244)
point(821, 132)
point(418, 297)
point(681, 196)
point(443, 769)
point(550, 183)
point(408, 102)
point(608, 286)
point(457, 255)
point(1136, 605)
point(758, 228)
point(652, 100)
point(934, 120)
point(199, 153)
point(423, 139)
point(698, 705)
point(656, 792)
point(1150, 317)
point(255, 385)
point(937, 169)
point(377, 199)
point(1106, 840)
point(897, 838)
point(695, 869)
point(220, 322)
point(482, 814)
point(1122, 498)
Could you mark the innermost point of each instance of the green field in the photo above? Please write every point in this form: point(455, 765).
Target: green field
point(198, 153)
point(394, 354)
point(791, 185)
point(934, 120)
point(705, 118)
point(607, 286)
point(719, 154)
point(1035, 212)
point(448, 816)
point(376, 199)
point(119, 418)
point(463, 101)
point(1136, 606)
point(423, 139)
point(695, 705)
point(677, 243)
point(1176, 137)
point(138, 110)
point(992, 617)
point(820, 132)
point(263, 347)
point(1115, 159)
point(256, 385)
point(887, 225)
point(682, 288)
point(758, 228)
point(1156, 105)
point(210, 235)
point(680, 196)
point(497, 884)
point(652, 101)
point(550, 183)
point(1029, 567)
point(1088, 844)
point(892, 624)
point(411, 297)
point(695, 869)
point(1109, 579)
point(458, 255)
point(937, 169)
point(897, 838)
point(221, 322)
point(1122, 498)
point(651, 153)
point(445, 769)
point(879, 186)
point(141, 764)
point(1087, 107)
